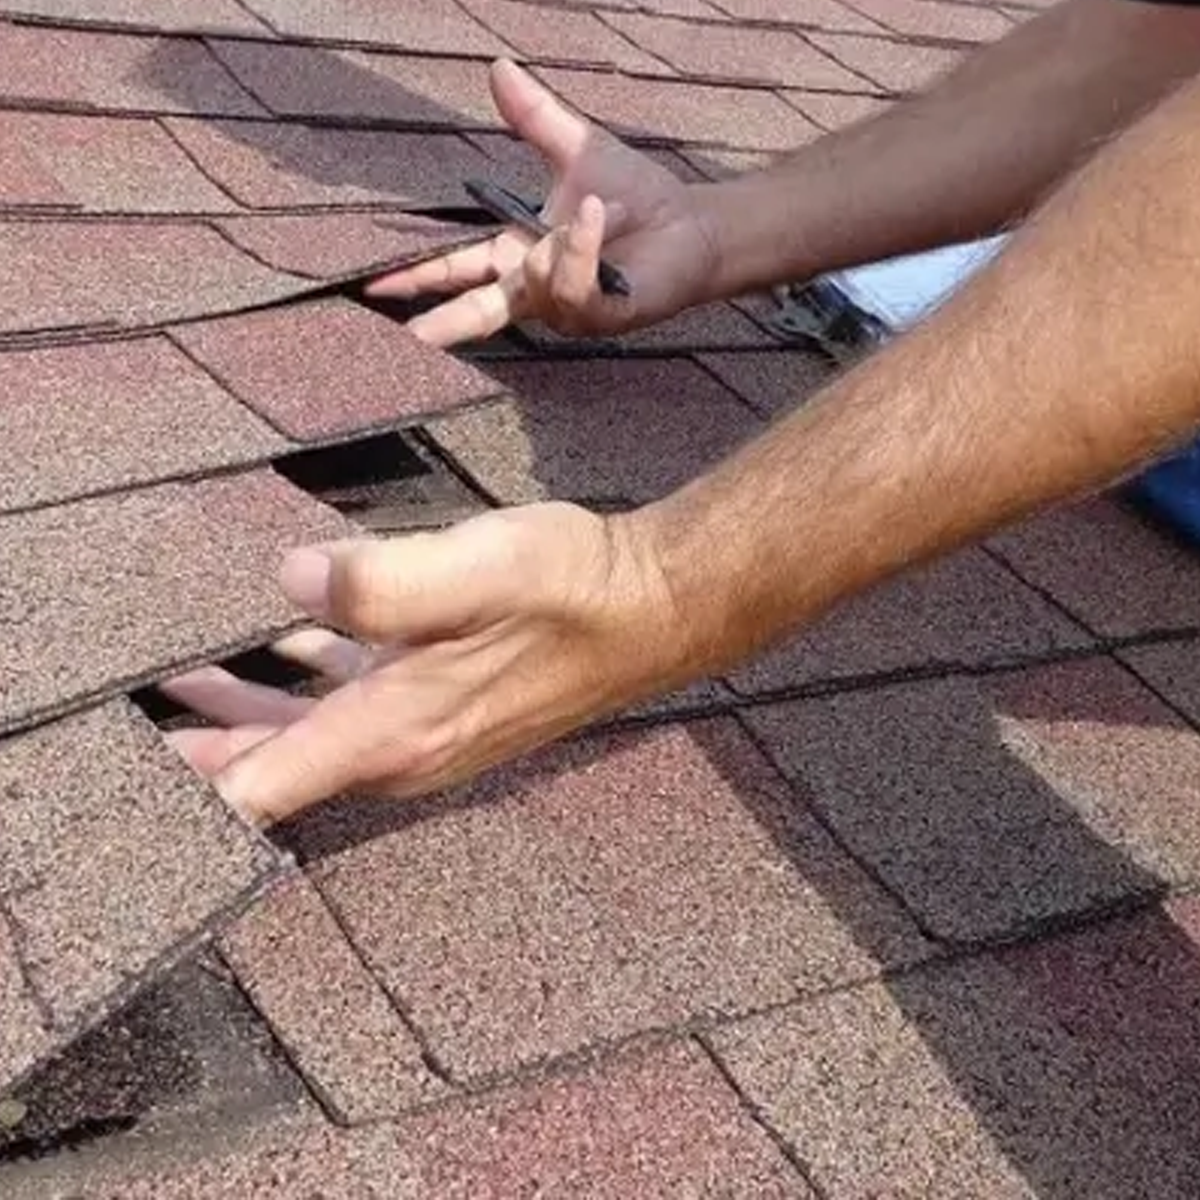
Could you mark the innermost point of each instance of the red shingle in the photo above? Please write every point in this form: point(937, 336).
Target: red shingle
point(287, 166)
point(111, 71)
point(108, 164)
point(204, 16)
point(96, 810)
point(815, 14)
point(935, 19)
point(562, 35)
point(602, 429)
point(123, 274)
point(435, 26)
point(832, 111)
point(1115, 573)
point(160, 414)
point(319, 370)
point(995, 803)
point(613, 884)
point(337, 1023)
point(657, 1122)
point(305, 81)
point(682, 111)
point(107, 591)
point(738, 53)
point(896, 66)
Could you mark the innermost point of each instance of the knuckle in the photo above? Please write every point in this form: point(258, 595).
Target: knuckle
point(366, 591)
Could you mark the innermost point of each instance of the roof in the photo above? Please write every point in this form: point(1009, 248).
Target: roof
point(901, 909)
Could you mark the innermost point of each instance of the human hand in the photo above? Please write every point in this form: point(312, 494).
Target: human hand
point(467, 647)
point(605, 194)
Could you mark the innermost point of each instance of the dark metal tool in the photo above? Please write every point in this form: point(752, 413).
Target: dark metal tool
point(506, 206)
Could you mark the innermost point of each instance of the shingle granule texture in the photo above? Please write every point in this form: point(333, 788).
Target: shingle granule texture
point(895, 66)
point(1172, 669)
point(24, 1038)
point(203, 16)
point(112, 853)
point(264, 165)
point(337, 1023)
point(332, 367)
point(992, 804)
point(103, 592)
point(658, 1122)
point(773, 382)
point(817, 14)
point(613, 884)
point(160, 414)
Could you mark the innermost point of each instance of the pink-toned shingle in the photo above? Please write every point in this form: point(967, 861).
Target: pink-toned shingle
point(657, 1122)
point(682, 111)
point(895, 66)
point(26, 182)
point(160, 414)
point(814, 14)
point(203, 16)
point(832, 111)
point(103, 592)
point(1111, 570)
point(966, 610)
point(937, 19)
point(773, 382)
point(59, 274)
point(1172, 669)
point(305, 81)
point(23, 1036)
point(335, 1020)
point(109, 164)
point(331, 368)
point(433, 26)
point(599, 430)
point(563, 35)
point(994, 803)
point(277, 165)
point(97, 889)
point(738, 53)
point(613, 884)
point(70, 68)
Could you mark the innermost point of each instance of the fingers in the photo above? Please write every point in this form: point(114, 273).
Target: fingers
point(537, 116)
point(338, 659)
point(452, 272)
point(220, 696)
point(210, 751)
point(473, 316)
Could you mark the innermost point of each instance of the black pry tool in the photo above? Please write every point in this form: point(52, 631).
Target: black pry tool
point(506, 206)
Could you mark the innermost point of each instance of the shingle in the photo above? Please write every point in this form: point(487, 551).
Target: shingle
point(833, 111)
point(337, 1023)
point(103, 592)
point(896, 66)
point(564, 35)
point(599, 430)
point(161, 416)
point(26, 181)
point(1114, 572)
point(435, 26)
point(306, 81)
point(274, 165)
point(68, 68)
point(716, 326)
point(204, 16)
point(965, 610)
point(995, 803)
point(335, 245)
point(774, 382)
point(682, 111)
point(123, 274)
point(24, 1038)
point(332, 367)
point(613, 884)
point(934, 19)
point(1172, 669)
point(816, 14)
point(721, 164)
point(96, 810)
point(649, 1123)
point(107, 164)
point(736, 52)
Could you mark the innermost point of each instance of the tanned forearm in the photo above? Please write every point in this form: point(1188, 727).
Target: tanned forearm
point(1070, 360)
point(968, 158)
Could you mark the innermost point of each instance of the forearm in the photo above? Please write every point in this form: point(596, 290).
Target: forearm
point(967, 158)
point(1070, 360)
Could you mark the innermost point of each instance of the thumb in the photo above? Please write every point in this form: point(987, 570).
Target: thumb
point(538, 116)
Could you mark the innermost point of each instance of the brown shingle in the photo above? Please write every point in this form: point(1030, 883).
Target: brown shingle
point(161, 416)
point(1172, 669)
point(992, 804)
point(337, 1023)
point(775, 382)
point(934, 19)
point(332, 367)
point(96, 811)
point(204, 16)
point(896, 66)
point(816, 14)
point(69, 68)
point(832, 111)
point(105, 591)
point(738, 53)
point(610, 885)
point(682, 111)
point(24, 1038)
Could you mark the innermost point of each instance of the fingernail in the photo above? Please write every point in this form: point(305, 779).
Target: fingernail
point(304, 578)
